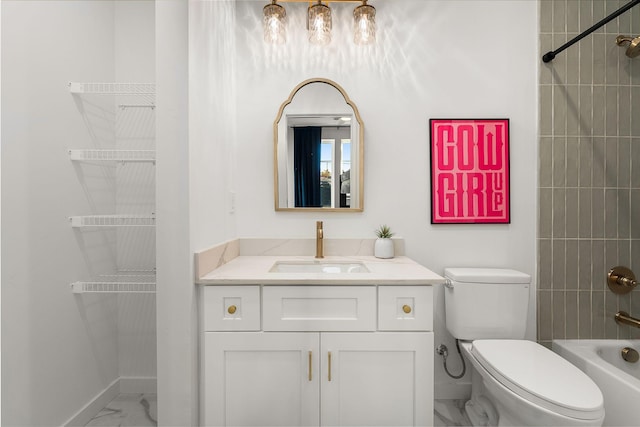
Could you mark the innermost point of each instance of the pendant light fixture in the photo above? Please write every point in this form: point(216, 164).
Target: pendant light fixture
point(319, 23)
point(364, 24)
point(274, 23)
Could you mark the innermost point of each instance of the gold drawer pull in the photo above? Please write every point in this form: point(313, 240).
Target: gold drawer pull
point(310, 365)
point(232, 309)
point(406, 308)
point(329, 376)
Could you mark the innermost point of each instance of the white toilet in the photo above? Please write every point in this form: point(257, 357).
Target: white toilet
point(514, 382)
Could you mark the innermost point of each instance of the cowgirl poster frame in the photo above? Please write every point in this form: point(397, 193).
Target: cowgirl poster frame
point(469, 171)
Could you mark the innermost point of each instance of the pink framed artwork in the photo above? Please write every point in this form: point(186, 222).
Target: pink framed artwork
point(469, 171)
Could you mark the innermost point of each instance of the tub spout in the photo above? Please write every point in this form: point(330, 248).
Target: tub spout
point(623, 317)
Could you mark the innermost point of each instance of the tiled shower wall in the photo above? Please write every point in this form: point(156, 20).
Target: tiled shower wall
point(589, 176)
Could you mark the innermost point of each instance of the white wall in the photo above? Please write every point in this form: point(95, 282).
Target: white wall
point(433, 59)
point(195, 65)
point(60, 350)
point(175, 290)
point(196, 167)
point(134, 36)
point(53, 340)
point(212, 121)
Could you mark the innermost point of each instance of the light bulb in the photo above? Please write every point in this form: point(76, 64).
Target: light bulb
point(364, 24)
point(274, 23)
point(319, 22)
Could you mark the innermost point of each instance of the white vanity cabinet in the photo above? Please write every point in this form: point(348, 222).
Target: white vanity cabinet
point(260, 379)
point(376, 379)
point(317, 355)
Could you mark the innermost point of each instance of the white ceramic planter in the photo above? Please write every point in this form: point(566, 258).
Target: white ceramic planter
point(383, 248)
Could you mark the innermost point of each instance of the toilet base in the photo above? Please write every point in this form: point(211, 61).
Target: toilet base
point(481, 412)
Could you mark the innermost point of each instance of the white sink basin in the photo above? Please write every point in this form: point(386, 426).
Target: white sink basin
point(328, 267)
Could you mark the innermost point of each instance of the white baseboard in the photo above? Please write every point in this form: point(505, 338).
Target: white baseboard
point(119, 385)
point(84, 415)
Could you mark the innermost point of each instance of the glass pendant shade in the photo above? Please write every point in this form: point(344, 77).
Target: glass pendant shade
point(319, 24)
point(364, 24)
point(274, 22)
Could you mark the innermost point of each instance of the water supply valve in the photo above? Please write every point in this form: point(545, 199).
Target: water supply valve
point(621, 280)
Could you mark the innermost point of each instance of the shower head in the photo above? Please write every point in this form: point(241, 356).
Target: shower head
point(634, 45)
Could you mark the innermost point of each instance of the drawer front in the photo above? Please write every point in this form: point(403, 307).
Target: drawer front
point(231, 308)
point(319, 308)
point(405, 308)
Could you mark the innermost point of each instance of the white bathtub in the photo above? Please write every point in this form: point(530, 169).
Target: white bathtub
point(619, 380)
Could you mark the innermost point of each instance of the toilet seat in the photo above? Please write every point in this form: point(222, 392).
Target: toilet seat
point(532, 372)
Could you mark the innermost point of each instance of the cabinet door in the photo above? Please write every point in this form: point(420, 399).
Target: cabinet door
point(258, 379)
point(379, 379)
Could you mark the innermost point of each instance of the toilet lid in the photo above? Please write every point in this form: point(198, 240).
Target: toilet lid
point(541, 376)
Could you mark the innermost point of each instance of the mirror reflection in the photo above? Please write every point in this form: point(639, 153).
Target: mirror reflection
point(318, 150)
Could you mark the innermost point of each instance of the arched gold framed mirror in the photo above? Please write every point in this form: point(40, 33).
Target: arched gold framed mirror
point(318, 149)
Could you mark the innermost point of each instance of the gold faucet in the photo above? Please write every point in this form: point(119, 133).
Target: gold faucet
point(319, 240)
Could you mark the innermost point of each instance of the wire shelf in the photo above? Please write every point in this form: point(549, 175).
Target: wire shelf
point(138, 156)
point(113, 88)
point(125, 106)
point(113, 221)
point(134, 275)
point(114, 287)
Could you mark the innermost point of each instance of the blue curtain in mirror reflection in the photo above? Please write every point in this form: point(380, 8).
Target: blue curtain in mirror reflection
point(306, 163)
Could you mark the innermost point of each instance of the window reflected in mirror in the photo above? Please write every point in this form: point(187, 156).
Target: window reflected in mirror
point(335, 170)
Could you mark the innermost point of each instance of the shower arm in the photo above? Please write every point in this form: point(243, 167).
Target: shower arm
point(548, 57)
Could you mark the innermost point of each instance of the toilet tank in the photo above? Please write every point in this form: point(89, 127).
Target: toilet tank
point(486, 303)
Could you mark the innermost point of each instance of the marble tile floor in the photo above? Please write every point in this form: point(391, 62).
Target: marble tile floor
point(128, 410)
point(449, 413)
point(140, 410)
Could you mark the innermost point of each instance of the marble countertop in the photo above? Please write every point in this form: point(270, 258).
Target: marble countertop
point(254, 270)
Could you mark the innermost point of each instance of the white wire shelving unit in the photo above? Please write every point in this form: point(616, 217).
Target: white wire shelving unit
point(113, 288)
point(127, 96)
point(113, 88)
point(145, 91)
point(112, 221)
point(124, 156)
point(117, 284)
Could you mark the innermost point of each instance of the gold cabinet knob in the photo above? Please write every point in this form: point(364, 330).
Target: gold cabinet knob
point(406, 308)
point(232, 309)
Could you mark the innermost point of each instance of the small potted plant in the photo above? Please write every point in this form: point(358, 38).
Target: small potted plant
point(383, 247)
